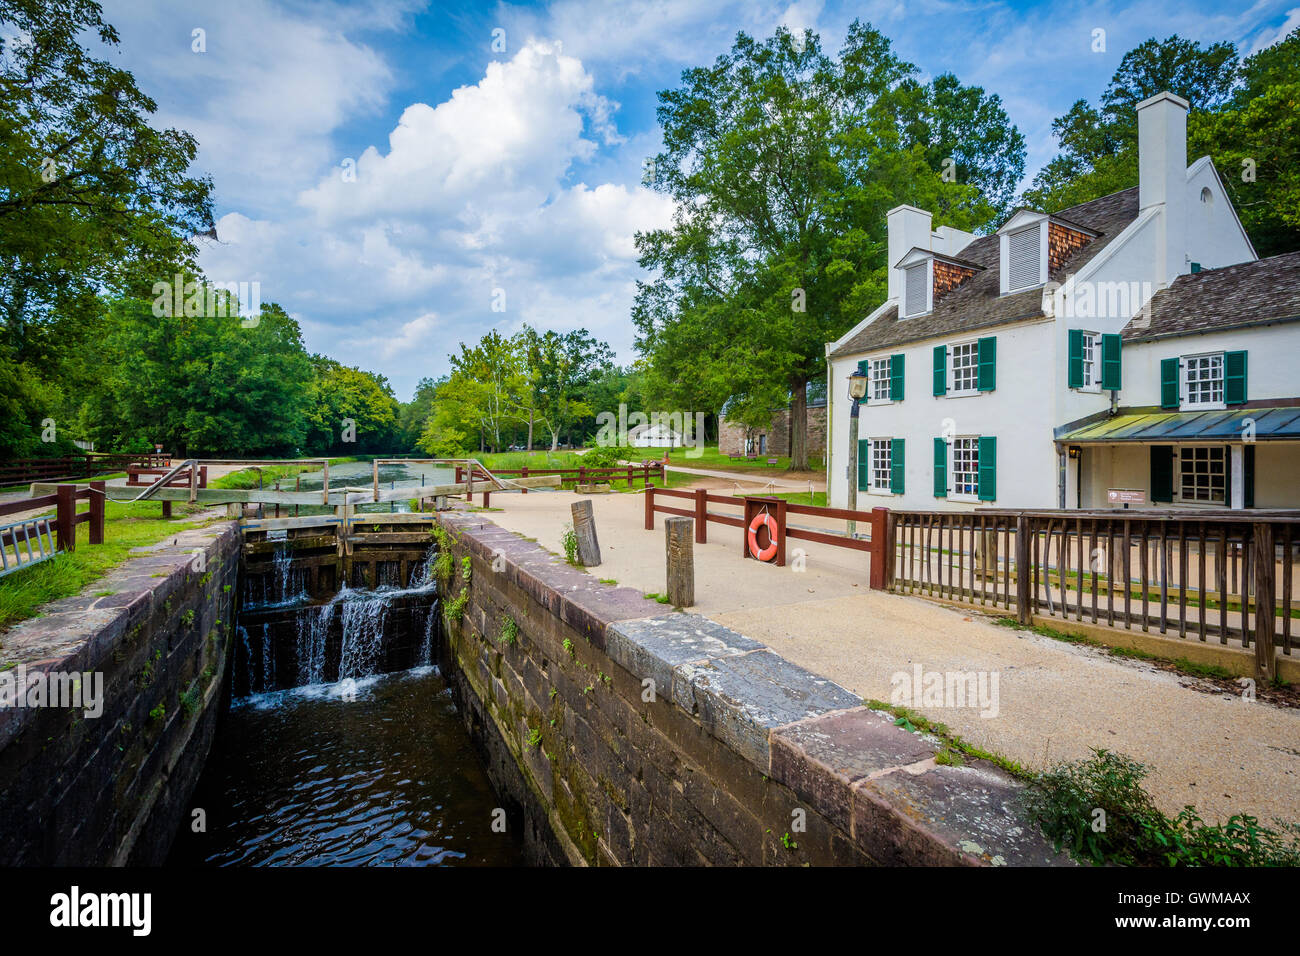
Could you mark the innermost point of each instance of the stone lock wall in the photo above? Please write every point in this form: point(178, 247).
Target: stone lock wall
point(112, 789)
point(617, 734)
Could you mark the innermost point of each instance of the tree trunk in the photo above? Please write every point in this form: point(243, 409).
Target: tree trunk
point(530, 429)
point(799, 426)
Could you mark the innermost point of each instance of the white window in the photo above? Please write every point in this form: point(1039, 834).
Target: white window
point(916, 293)
point(878, 387)
point(1203, 381)
point(1024, 258)
point(965, 467)
point(1202, 474)
point(882, 461)
point(964, 369)
point(1092, 361)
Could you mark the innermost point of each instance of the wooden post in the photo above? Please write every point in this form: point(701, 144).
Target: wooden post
point(167, 508)
point(701, 515)
point(631, 478)
point(325, 484)
point(1265, 660)
point(649, 509)
point(681, 561)
point(879, 540)
point(97, 499)
point(582, 474)
point(645, 474)
point(374, 468)
point(485, 498)
point(65, 517)
point(1024, 604)
point(523, 473)
point(194, 483)
point(584, 526)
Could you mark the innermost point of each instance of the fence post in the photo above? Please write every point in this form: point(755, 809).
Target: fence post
point(97, 499)
point(630, 477)
point(649, 509)
point(582, 474)
point(65, 517)
point(701, 516)
point(584, 527)
point(1265, 661)
point(523, 473)
point(681, 561)
point(879, 536)
point(1024, 605)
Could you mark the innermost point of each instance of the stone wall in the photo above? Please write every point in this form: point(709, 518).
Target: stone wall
point(112, 789)
point(731, 435)
point(619, 734)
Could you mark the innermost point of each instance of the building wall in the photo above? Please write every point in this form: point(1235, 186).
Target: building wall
point(1129, 466)
point(731, 435)
point(1270, 362)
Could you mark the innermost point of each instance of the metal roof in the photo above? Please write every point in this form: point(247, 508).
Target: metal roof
point(1222, 425)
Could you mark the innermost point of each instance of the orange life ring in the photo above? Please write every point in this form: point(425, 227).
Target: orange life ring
point(768, 553)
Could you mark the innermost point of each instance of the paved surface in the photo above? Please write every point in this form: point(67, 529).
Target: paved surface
point(1054, 701)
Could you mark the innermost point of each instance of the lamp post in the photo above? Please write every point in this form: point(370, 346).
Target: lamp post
point(857, 390)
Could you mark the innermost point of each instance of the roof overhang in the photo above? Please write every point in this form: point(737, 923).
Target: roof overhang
point(1224, 425)
point(917, 254)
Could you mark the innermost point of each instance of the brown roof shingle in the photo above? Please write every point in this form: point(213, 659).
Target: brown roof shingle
point(1250, 293)
point(976, 304)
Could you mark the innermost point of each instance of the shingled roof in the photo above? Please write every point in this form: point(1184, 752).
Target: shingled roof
point(1251, 293)
point(976, 303)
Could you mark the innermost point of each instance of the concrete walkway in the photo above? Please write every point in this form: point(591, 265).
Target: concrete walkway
point(1055, 700)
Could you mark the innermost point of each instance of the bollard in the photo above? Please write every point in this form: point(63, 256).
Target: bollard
point(679, 534)
point(584, 526)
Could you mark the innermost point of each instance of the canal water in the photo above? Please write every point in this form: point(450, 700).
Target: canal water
point(360, 474)
point(327, 759)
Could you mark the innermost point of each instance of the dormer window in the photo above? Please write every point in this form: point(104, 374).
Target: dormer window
point(1033, 246)
point(916, 289)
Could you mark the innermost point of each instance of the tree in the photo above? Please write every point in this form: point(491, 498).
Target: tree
point(1240, 111)
point(782, 162)
point(200, 385)
point(92, 197)
point(351, 410)
point(559, 369)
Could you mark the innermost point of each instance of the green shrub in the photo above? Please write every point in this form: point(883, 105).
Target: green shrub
point(602, 457)
point(570, 541)
point(1133, 831)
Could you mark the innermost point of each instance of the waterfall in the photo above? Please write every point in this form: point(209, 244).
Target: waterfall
point(357, 619)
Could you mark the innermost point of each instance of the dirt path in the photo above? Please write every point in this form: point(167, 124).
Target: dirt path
point(1055, 700)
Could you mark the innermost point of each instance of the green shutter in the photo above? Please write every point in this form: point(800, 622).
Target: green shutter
point(940, 468)
point(988, 468)
point(1110, 362)
point(896, 378)
point(864, 463)
point(1162, 472)
point(941, 370)
point(1234, 378)
point(1076, 359)
point(1168, 383)
point(862, 367)
point(988, 352)
point(1248, 468)
point(897, 466)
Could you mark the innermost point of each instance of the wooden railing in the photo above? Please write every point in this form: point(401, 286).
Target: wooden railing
point(752, 507)
point(21, 471)
point(1193, 574)
point(182, 479)
point(581, 475)
point(64, 500)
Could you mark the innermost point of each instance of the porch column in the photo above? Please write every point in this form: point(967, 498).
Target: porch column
point(1237, 462)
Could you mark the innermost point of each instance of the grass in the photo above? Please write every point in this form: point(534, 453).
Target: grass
point(126, 526)
point(1181, 664)
point(817, 499)
point(954, 748)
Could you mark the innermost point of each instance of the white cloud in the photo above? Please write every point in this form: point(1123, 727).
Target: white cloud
point(1267, 37)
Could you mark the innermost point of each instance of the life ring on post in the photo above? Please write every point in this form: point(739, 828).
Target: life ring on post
point(768, 553)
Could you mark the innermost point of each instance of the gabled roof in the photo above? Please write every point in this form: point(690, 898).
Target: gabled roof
point(976, 303)
point(917, 254)
point(1260, 292)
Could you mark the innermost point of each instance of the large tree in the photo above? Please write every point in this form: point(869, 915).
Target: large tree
point(783, 161)
point(1243, 115)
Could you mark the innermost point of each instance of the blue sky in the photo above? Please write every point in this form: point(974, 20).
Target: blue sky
point(481, 171)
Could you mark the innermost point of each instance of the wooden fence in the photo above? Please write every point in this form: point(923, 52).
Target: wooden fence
point(64, 500)
point(183, 479)
point(21, 471)
point(1193, 574)
point(581, 475)
point(753, 508)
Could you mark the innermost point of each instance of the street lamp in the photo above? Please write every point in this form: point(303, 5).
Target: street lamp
point(857, 391)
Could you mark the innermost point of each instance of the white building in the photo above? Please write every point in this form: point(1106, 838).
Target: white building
point(1129, 349)
point(655, 435)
